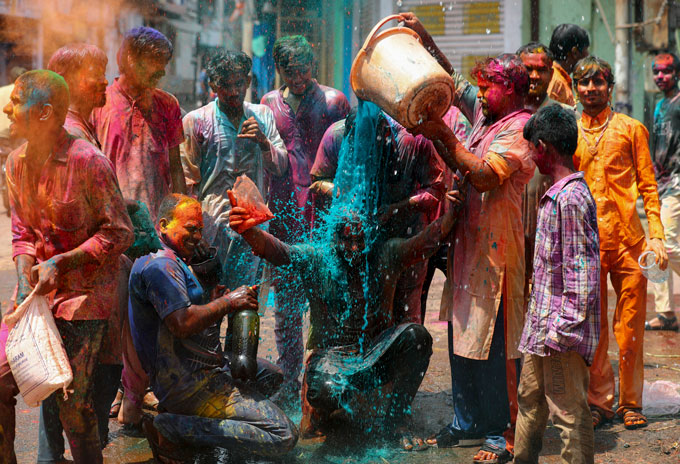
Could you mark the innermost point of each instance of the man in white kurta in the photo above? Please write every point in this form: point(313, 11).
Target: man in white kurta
point(226, 138)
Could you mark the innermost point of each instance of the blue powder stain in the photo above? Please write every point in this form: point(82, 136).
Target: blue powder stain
point(494, 246)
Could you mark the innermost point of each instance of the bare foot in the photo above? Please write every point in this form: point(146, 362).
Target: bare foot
point(129, 413)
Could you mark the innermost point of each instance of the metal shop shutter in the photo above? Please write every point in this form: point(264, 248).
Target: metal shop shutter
point(465, 30)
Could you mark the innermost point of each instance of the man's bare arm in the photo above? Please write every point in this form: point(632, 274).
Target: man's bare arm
point(189, 321)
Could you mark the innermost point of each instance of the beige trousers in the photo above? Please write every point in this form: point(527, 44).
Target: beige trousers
point(554, 386)
point(670, 218)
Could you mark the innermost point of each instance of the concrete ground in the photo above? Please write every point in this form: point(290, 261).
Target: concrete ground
point(657, 444)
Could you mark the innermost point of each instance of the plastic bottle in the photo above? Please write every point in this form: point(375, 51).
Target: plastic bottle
point(245, 338)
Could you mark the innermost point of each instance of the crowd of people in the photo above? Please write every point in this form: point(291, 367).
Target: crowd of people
point(523, 194)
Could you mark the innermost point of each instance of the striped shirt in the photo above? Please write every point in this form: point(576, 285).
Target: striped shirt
point(564, 307)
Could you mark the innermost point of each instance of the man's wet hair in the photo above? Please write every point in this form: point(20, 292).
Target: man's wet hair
point(591, 65)
point(565, 37)
point(555, 125)
point(224, 63)
point(170, 203)
point(70, 59)
point(535, 48)
point(41, 87)
point(144, 42)
point(506, 69)
point(292, 50)
point(668, 56)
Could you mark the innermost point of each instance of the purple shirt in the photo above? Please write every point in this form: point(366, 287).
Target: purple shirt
point(301, 131)
point(564, 308)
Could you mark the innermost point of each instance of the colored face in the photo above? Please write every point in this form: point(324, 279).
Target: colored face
point(90, 84)
point(351, 243)
point(231, 91)
point(540, 73)
point(22, 114)
point(146, 72)
point(542, 158)
point(594, 92)
point(665, 76)
point(493, 97)
point(296, 77)
point(184, 232)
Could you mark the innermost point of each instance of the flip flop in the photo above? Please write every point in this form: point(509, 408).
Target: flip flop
point(410, 443)
point(502, 455)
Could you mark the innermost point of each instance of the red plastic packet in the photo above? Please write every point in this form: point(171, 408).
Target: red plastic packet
point(245, 194)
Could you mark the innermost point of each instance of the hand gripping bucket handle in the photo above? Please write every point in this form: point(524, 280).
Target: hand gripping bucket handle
point(365, 47)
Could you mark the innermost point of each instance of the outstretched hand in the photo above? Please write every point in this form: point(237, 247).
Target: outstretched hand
point(240, 219)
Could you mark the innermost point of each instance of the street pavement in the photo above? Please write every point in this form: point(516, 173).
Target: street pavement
point(432, 409)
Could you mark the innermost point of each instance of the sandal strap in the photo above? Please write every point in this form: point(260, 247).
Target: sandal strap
point(667, 320)
point(497, 450)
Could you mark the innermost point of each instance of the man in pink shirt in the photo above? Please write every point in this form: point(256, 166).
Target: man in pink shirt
point(140, 127)
point(484, 292)
point(69, 227)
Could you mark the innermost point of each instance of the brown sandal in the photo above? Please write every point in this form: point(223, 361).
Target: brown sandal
point(631, 416)
point(598, 417)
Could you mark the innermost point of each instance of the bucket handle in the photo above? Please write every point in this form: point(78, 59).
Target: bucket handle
point(380, 24)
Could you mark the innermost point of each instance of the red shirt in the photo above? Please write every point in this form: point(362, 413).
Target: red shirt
point(77, 204)
point(137, 136)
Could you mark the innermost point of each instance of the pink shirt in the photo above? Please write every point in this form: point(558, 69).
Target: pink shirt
point(77, 205)
point(137, 136)
point(486, 259)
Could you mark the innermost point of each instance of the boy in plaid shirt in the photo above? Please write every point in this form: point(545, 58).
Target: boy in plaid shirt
point(563, 319)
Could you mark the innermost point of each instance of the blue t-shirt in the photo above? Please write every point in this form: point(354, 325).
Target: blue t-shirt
point(160, 284)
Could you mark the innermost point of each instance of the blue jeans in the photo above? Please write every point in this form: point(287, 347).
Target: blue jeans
point(480, 394)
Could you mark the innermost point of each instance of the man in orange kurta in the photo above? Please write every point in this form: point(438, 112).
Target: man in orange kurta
point(568, 44)
point(613, 152)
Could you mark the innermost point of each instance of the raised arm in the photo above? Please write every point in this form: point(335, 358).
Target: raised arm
point(264, 244)
point(466, 94)
point(423, 245)
point(482, 177)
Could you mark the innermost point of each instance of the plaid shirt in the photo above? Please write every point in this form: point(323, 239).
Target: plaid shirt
point(564, 308)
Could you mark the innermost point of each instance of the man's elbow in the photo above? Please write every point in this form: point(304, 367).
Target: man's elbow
point(178, 324)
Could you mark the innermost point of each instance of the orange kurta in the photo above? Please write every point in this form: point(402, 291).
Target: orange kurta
point(560, 88)
point(618, 170)
point(617, 174)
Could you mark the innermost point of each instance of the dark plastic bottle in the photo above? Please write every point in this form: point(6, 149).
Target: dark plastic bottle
point(245, 338)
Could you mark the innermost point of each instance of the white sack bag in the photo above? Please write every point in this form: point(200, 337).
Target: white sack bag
point(35, 352)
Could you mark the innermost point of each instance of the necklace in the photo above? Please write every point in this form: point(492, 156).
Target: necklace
point(593, 148)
